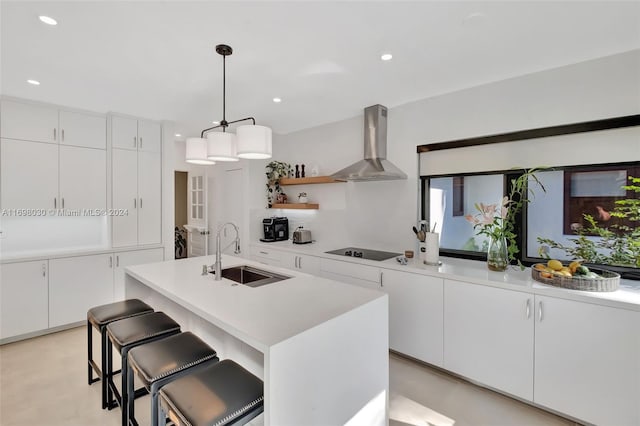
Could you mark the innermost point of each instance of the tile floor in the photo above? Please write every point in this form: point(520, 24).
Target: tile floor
point(43, 383)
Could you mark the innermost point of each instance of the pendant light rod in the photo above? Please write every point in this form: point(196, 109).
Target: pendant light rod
point(205, 131)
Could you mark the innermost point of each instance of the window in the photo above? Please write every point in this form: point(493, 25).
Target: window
point(556, 214)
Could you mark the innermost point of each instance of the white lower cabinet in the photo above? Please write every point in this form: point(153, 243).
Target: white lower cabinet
point(351, 273)
point(301, 262)
point(488, 336)
point(23, 298)
point(77, 284)
point(587, 361)
point(415, 315)
point(130, 258)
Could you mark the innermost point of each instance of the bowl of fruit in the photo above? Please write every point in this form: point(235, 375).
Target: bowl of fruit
point(575, 276)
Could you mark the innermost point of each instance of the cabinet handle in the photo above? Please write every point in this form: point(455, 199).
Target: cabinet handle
point(140, 142)
point(110, 261)
point(62, 202)
point(44, 270)
point(528, 308)
point(295, 262)
point(540, 311)
point(134, 141)
point(62, 135)
point(264, 252)
point(55, 202)
point(135, 203)
point(54, 133)
point(300, 262)
point(140, 202)
point(381, 284)
point(117, 261)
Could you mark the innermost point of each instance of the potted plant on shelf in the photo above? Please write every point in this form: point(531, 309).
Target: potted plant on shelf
point(498, 223)
point(275, 171)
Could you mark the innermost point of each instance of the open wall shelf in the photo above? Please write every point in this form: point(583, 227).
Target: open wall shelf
point(298, 206)
point(307, 180)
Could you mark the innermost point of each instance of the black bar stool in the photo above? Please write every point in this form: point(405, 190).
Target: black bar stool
point(99, 317)
point(125, 335)
point(160, 362)
point(223, 393)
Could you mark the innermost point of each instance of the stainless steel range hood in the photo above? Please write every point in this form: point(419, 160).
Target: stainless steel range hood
point(375, 165)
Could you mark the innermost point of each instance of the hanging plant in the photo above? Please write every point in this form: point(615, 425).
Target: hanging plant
point(275, 171)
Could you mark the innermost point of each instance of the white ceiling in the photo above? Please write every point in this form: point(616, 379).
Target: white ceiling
point(157, 59)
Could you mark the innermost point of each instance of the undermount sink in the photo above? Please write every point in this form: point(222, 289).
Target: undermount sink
point(250, 276)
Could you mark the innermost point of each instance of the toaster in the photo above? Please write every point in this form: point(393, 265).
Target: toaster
point(301, 236)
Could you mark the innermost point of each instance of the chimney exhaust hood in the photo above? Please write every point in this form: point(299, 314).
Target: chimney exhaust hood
point(375, 165)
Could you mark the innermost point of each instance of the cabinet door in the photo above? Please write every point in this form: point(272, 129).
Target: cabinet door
point(130, 258)
point(587, 361)
point(415, 315)
point(308, 264)
point(83, 178)
point(29, 175)
point(77, 284)
point(124, 133)
point(29, 122)
point(23, 298)
point(488, 336)
point(82, 129)
point(149, 136)
point(149, 197)
point(351, 273)
point(125, 196)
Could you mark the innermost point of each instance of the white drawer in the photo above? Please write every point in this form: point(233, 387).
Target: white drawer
point(362, 272)
point(266, 253)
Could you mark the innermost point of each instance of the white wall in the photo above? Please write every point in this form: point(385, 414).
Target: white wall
point(381, 214)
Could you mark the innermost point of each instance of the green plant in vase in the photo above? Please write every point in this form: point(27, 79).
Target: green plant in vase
point(275, 171)
point(498, 222)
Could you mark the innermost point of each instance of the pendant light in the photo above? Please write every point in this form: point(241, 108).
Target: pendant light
point(251, 141)
point(197, 152)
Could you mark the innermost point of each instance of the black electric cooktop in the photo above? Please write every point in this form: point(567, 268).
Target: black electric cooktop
point(364, 253)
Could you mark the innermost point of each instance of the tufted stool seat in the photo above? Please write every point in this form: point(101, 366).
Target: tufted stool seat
point(125, 335)
point(160, 362)
point(99, 317)
point(223, 393)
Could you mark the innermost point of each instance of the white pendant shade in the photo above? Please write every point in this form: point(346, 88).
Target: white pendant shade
point(221, 146)
point(254, 142)
point(196, 152)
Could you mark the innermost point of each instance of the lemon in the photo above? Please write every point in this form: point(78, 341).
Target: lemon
point(556, 265)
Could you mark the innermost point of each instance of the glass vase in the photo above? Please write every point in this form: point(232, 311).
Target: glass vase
point(497, 254)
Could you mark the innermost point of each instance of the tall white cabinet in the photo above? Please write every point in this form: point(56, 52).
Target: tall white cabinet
point(136, 181)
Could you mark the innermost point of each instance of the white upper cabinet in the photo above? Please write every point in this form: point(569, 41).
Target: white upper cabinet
point(43, 123)
point(124, 132)
point(83, 129)
point(149, 136)
point(137, 135)
point(29, 175)
point(30, 122)
point(83, 178)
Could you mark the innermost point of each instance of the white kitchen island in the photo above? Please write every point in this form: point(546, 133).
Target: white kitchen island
point(320, 346)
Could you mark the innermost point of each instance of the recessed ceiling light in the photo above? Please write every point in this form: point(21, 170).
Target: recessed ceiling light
point(34, 82)
point(178, 135)
point(277, 100)
point(386, 57)
point(48, 20)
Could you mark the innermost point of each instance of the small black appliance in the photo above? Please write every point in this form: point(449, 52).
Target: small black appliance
point(275, 229)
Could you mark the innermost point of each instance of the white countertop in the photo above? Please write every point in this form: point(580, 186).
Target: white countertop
point(626, 297)
point(261, 316)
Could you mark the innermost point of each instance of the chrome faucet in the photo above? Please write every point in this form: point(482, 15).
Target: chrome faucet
point(218, 265)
